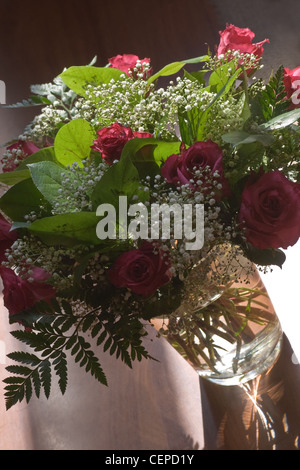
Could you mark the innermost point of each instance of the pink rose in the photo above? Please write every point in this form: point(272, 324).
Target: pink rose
point(20, 294)
point(239, 39)
point(142, 271)
point(291, 80)
point(7, 236)
point(17, 152)
point(270, 210)
point(111, 140)
point(127, 62)
point(204, 158)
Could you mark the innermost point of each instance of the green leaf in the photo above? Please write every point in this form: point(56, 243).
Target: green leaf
point(23, 198)
point(250, 157)
point(196, 76)
point(242, 137)
point(122, 178)
point(24, 357)
point(61, 369)
point(45, 374)
point(268, 257)
point(13, 177)
point(174, 67)
point(32, 101)
point(148, 154)
point(47, 177)
point(46, 154)
point(78, 77)
point(21, 172)
point(192, 123)
point(73, 142)
point(219, 77)
point(281, 121)
point(67, 229)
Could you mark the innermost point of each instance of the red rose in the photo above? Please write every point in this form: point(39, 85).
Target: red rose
point(7, 237)
point(111, 140)
point(270, 211)
point(291, 80)
point(239, 39)
point(21, 294)
point(142, 135)
point(17, 152)
point(143, 271)
point(204, 157)
point(127, 62)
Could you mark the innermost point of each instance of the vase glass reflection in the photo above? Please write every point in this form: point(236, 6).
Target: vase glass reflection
point(226, 326)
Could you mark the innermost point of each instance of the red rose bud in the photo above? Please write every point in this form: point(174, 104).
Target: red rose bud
point(20, 294)
point(142, 135)
point(17, 152)
point(128, 62)
point(291, 81)
point(270, 211)
point(143, 271)
point(202, 161)
point(111, 141)
point(7, 237)
point(239, 39)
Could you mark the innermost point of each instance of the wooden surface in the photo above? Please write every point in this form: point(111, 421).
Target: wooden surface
point(157, 405)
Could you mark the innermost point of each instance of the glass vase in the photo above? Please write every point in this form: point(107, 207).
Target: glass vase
point(226, 326)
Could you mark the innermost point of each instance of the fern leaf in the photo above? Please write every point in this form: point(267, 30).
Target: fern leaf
point(61, 369)
point(24, 357)
point(36, 382)
point(45, 374)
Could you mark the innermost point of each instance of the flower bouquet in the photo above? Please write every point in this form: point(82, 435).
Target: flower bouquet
point(126, 202)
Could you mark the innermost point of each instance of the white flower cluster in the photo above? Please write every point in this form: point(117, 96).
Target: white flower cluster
point(73, 196)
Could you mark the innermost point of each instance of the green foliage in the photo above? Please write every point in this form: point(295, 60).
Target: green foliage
point(273, 98)
point(13, 177)
point(78, 77)
point(67, 229)
point(121, 179)
point(46, 154)
point(73, 142)
point(49, 178)
point(281, 121)
point(32, 101)
point(16, 206)
point(175, 67)
point(192, 123)
point(268, 100)
point(56, 335)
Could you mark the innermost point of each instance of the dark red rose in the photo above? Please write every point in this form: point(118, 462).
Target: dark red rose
point(204, 157)
point(127, 62)
point(142, 135)
point(142, 271)
point(20, 294)
point(270, 210)
point(291, 80)
point(7, 236)
point(17, 152)
point(111, 140)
